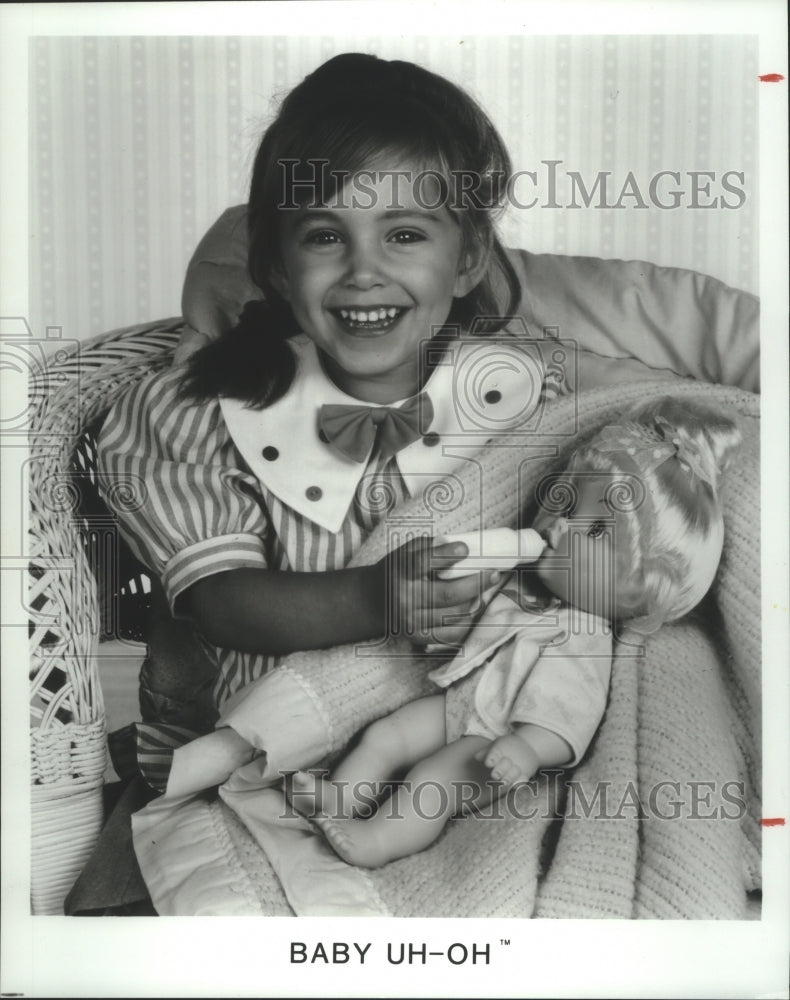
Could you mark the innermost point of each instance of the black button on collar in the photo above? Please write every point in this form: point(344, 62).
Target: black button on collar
point(270, 453)
point(313, 492)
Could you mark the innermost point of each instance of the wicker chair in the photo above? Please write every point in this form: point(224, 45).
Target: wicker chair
point(73, 544)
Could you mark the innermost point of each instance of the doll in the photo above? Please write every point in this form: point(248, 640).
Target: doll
point(633, 534)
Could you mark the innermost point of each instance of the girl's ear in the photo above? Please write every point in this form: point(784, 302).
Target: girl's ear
point(471, 267)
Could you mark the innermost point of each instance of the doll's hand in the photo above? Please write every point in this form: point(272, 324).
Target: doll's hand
point(510, 759)
point(420, 604)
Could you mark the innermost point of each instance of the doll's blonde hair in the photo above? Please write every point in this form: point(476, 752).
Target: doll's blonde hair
point(678, 451)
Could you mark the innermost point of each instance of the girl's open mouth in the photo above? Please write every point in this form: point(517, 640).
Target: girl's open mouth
point(377, 319)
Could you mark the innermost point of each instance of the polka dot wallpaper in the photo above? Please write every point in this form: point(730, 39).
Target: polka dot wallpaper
point(627, 146)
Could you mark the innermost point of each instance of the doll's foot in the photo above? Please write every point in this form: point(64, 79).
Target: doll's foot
point(356, 841)
point(314, 796)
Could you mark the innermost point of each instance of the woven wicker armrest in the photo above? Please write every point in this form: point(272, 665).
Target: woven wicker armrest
point(70, 394)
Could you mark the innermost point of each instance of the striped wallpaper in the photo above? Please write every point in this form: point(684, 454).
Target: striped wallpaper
point(137, 144)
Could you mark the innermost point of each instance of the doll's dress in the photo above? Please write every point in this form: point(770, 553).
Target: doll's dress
point(525, 664)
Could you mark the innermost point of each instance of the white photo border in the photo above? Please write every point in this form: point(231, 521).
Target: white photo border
point(53, 956)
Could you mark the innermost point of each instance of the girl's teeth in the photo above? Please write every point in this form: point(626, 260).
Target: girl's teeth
point(369, 315)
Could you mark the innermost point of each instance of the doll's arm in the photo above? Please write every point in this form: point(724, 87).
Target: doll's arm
point(520, 754)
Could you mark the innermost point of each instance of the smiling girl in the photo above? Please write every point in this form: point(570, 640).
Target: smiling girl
point(264, 461)
point(372, 284)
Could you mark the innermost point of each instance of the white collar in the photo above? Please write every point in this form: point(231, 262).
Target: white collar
point(280, 444)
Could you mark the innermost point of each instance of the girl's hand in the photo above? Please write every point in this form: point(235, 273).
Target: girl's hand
point(419, 604)
point(510, 758)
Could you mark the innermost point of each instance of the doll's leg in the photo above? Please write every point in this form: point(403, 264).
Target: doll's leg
point(418, 811)
point(387, 746)
point(207, 761)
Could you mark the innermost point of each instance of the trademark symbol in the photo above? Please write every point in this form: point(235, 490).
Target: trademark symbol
point(505, 941)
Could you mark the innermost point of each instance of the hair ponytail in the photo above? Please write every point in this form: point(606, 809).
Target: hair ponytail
point(253, 361)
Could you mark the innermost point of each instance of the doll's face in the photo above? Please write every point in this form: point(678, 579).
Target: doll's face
point(587, 562)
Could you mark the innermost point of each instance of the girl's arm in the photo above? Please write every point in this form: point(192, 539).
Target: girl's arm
point(260, 610)
point(197, 523)
point(257, 610)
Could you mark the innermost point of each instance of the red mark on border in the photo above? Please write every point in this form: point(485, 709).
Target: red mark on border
point(771, 78)
point(774, 821)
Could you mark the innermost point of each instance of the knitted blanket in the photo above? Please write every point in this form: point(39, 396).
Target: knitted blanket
point(660, 819)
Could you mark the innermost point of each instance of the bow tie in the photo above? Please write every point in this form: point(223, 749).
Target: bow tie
point(353, 430)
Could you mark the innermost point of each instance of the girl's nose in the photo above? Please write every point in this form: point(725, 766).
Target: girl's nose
point(363, 267)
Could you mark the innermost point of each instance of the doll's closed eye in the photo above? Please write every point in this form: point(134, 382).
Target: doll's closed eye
point(596, 529)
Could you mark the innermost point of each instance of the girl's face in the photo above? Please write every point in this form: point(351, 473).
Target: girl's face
point(586, 562)
point(370, 276)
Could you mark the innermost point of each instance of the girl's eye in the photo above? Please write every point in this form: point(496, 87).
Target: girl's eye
point(322, 237)
point(596, 529)
point(407, 236)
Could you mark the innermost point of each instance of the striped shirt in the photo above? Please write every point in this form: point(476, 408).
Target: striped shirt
point(203, 512)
